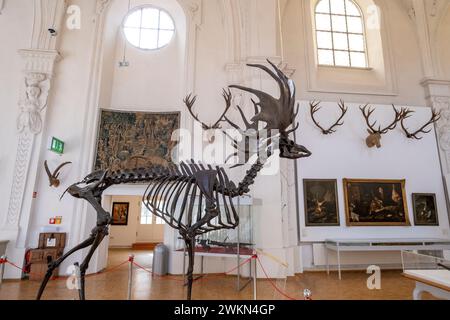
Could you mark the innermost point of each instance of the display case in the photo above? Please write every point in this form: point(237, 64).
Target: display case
point(238, 241)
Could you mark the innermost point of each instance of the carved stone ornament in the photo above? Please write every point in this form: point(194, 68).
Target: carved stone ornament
point(37, 86)
point(442, 104)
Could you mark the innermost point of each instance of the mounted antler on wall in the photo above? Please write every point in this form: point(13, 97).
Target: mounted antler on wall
point(190, 100)
point(315, 107)
point(435, 117)
point(374, 138)
point(53, 177)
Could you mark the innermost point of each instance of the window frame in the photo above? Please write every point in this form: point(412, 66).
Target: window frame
point(346, 33)
point(141, 8)
point(153, 218)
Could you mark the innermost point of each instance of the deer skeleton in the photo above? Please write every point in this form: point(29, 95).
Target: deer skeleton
point(174, 192)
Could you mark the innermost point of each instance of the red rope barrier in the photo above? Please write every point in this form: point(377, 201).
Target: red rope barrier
point(131, 260)
point(273, 284)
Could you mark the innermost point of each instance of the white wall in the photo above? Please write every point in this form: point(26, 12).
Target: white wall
point(345, 155)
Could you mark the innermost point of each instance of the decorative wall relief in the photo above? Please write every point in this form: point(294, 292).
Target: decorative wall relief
point(37, 86)
point(129, 140)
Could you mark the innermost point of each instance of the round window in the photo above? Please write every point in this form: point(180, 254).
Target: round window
point(148, 28)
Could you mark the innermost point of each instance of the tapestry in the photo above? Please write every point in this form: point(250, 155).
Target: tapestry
point(129, 140)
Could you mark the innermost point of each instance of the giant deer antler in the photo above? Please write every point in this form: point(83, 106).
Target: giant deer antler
point(315, 107)
point(435, 117)
point(374, 138)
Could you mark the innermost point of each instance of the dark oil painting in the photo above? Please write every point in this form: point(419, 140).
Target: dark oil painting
point(321, 204)
point(376, 203)
point(129, 140)
point(425, 209)
point(120, 213)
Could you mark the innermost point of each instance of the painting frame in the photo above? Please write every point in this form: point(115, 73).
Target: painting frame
point(415, 209)
point(308, 222)
point(348, 215)
point(115, 215)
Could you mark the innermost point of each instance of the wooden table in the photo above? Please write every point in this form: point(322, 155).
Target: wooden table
point(435, 282)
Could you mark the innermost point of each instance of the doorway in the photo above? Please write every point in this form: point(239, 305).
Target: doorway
point(139, 228)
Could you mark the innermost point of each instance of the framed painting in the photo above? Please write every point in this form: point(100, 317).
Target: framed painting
point(321, 203)
point(425, 209)
point(375, 202)
point(120, 213)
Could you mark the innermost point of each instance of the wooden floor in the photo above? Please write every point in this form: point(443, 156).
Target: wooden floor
point(113, 286)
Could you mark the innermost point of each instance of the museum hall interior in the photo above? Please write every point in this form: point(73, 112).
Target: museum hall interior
point(225, 150)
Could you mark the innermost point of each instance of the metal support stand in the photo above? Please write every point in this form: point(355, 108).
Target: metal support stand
point(130, 276)
point(2, 270)
point(255, 278)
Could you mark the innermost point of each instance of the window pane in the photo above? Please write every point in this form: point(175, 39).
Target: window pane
point(356, 42)
point(352, 9)
point(164, 38)
point(150, 18)
point(166, 22)
point(337, 6)
point(146, 216)
point(160, 221)
point(323, 22)
point(342, 58)
point(134, 20)
point(340, 41)
point(132, 36)
point(358, 59)
point(323, 6)
point(354, 25)
point(324, 40)
point(326, 57)
point(339, 24)
point(149, 39)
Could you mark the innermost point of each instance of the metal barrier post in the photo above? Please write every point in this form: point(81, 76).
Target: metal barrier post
point(2, 270)
point(130, 276)
point(255, 267)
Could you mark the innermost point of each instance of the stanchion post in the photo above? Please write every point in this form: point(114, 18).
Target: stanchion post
point(255, 277)
point(130, 276)
point(2, 269)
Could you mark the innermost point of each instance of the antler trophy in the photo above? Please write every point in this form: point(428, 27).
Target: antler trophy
point(435, 117)
point(174, 192)
point(374, 138)
point(53, 178)
point(315, 107)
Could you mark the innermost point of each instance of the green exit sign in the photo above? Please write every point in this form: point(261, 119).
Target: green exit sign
point(57, 145)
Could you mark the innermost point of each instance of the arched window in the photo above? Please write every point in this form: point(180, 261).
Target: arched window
point(149, 28)
point(340, 34)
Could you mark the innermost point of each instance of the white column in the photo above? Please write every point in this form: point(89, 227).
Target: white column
point(438, 97)
point(38, 65)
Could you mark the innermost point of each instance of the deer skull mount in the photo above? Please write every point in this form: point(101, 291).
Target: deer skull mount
point(375, 135)
point(54, 177)
point(315, 107)
point(190, 100)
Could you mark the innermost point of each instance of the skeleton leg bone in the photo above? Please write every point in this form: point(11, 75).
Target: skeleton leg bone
point(190, 246)
point(101, 233)
point(57, 263)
